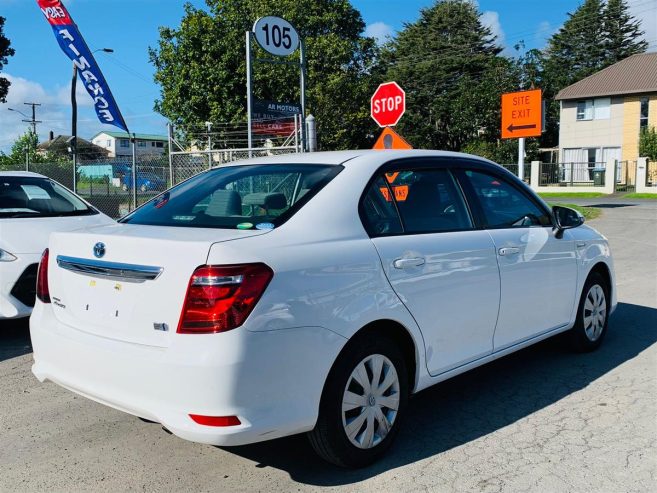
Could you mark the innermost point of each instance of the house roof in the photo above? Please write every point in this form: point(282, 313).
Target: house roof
point(61, 143)
point(125, 135)
point(636, 74)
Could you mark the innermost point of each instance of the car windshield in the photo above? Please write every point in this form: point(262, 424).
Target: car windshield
point(28, 196)
point(237, 197)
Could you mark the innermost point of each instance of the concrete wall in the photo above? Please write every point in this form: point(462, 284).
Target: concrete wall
point(608, 187)
point(641, 187)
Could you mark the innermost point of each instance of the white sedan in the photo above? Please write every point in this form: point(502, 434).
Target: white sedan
point(314, 293)
point(31, 207)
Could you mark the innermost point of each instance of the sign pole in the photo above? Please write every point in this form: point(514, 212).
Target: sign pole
point(74, 128)
point(249, 92)
point(302, 82)
point(521, 158)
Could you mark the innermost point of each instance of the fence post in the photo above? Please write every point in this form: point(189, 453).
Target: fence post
point(534, 174)
point(134, 171)
point(642, 175)
point(610, 176)
point(311, 133)
point(170, 134)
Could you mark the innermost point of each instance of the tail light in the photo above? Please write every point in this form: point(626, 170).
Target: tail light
point(42, 289)
point(220, 298)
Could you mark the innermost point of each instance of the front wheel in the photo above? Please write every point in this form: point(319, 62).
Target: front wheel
point(592, 314)
point(362, 404)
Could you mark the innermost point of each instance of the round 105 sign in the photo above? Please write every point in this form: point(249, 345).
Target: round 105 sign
point(276, 35)
point(388, 104)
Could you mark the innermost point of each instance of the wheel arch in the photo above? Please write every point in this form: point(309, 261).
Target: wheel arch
point(603, 269)
point(400, 335)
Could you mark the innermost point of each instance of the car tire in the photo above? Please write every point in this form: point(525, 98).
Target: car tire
point(345, 403)
point(592, 315)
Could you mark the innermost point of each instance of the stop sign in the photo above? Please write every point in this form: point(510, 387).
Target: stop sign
point(388, 104)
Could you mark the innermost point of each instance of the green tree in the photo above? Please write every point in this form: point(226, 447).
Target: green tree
point(648, 143)
point(622, 32)
point(5, 52)
point(451, 69)
point(201, 68)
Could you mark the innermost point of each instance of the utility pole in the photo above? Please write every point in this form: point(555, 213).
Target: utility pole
point(33, 121)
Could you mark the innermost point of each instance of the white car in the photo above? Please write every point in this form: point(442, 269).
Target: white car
point(314, 293)
point(31, 207)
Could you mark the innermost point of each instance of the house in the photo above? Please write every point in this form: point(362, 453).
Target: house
point(602, 115)
point(118, 143)
point(60, 146)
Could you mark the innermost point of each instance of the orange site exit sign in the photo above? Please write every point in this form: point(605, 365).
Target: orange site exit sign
point(522, 114)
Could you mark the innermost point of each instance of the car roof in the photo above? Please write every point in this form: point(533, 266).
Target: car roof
point(350, 158)
point(25, 174)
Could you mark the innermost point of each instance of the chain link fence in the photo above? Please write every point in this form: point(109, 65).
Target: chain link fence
point(184, 165)
point(109, 185)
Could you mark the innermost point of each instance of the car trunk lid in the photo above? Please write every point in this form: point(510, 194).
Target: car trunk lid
point(128, 282)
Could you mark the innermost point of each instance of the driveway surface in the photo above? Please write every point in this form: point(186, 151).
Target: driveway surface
point(541, 420)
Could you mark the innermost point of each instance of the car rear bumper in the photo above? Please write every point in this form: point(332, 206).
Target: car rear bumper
point(272, 381)
point(10, 273)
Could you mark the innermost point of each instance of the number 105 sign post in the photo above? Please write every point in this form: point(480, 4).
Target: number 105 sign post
point(279, 38)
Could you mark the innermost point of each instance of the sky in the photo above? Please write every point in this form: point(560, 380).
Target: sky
point(41, 73)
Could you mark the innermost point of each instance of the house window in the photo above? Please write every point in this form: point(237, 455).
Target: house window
point(159, 144)
point(152, 144)
point(594, 109)
point(109, 143)
point(643, 117)
point(601, 108)
point(585, 110)
point(124, 143)
point(141, 143)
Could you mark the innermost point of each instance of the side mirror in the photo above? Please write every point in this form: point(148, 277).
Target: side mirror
point(566, 218)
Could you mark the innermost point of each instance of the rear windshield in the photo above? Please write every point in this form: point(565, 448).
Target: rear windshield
point(236, 197)
point(24, 196)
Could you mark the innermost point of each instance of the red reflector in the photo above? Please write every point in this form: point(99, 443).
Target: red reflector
point(221, 297)
point(42, 289)
point(216, 420)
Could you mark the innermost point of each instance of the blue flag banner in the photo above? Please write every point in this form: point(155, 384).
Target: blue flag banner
point(73, 44)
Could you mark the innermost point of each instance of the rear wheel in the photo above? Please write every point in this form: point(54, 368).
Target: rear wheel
point(362, 404)
point(592, 314)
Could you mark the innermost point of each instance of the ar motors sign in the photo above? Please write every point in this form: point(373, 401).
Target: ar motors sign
point(274, 118)
point(388, 104)
point(521, 114)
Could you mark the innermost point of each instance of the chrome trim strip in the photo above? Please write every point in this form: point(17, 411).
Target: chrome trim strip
point(109, 270)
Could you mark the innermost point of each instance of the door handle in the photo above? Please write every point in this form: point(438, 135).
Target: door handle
point(509, 250)
point(580, 244)
point(405, 263)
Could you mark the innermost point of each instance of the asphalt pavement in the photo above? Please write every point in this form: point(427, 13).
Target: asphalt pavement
point(543, 419)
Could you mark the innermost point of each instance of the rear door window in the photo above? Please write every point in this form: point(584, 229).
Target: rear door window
point(414, 201)
point(242, 197)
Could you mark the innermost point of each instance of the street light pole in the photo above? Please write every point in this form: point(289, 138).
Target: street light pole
point(74, 119)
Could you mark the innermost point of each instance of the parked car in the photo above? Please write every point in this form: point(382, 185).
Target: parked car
point(314, 293)
point(31, 207)
point(146, 182)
